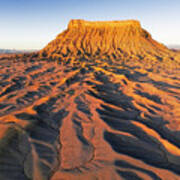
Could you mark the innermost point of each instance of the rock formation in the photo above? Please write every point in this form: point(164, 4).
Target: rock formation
point(113, 39)
point(101, 101)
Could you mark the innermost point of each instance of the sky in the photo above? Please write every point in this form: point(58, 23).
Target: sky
point(31, 24)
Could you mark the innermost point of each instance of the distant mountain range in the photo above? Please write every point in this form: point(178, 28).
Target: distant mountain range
point(174, 46)
point(12, 51)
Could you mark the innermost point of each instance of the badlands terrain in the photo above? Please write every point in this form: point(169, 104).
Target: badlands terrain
point(100, 102)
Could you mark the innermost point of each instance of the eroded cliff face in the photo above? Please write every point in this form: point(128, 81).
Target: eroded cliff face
point(109, 39)
point(109, 108)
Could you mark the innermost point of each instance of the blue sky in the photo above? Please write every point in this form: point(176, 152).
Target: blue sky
point(31, 24)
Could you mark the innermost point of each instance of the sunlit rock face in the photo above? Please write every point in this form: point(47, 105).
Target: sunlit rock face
point(101, 101)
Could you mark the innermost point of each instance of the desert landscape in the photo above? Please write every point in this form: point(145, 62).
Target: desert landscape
point(99, 102)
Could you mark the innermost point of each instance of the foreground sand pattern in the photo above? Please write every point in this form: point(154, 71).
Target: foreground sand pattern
point(101, 101)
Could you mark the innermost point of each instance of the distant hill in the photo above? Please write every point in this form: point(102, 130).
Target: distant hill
point(174, 46)
point(12, 51)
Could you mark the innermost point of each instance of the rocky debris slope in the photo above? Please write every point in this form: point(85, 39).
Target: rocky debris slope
point(113, 40)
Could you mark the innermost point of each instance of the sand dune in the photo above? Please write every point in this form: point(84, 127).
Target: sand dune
point(101, 101)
